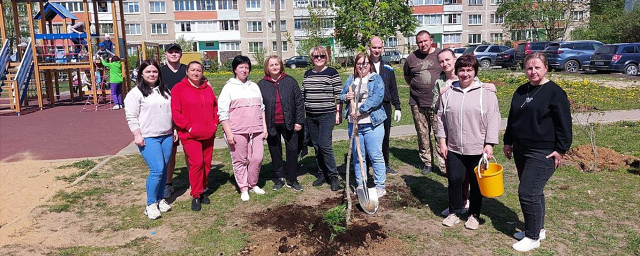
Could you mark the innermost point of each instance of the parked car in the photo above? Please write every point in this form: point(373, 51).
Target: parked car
point(458, 51)
point(391, 56)
point(617, 57)
point(524, 49)
point(297, 61)
point(570, 55)
point(505, 59)
point(486, 53)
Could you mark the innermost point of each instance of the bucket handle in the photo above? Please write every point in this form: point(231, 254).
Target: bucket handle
point(484, 159)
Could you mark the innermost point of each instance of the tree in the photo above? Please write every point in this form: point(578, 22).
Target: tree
point(609, 23)
point(553, 17)
point(357, 21)
point(314, 29)
point(185, 44)
point(23, 18)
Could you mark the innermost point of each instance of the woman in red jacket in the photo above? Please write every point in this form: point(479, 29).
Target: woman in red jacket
point(195, 112)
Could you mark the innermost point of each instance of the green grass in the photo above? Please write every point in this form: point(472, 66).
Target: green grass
point(84, 166)
point(583, 209)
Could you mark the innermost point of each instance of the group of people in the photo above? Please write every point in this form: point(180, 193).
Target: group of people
point(463, 114)
point(176, 103)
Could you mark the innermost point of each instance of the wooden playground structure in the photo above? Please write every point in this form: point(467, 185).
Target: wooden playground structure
point(49, 55)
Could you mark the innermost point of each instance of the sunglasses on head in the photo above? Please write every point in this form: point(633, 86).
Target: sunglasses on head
point(321, 56)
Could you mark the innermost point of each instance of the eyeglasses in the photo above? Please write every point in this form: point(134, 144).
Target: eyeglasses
point(362, 64)
point(321, 56)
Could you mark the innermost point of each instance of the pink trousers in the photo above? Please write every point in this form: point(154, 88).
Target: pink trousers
point(246, 157)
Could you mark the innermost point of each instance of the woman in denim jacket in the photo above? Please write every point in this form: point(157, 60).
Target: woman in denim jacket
point(368, 90)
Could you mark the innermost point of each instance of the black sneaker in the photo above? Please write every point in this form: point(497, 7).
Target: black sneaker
point(204, 199)
point(294, 185)
point(278, 184)
point(196, 204)
point(391, 171)
point(335, 184)
point(426, 170)
point(319, 181)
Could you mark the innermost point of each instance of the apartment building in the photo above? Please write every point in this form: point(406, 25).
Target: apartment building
point(222, 29)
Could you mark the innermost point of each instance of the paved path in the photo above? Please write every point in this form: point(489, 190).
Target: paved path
point(408, 130)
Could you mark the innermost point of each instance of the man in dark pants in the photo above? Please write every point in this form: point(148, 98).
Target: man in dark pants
point(390, 95)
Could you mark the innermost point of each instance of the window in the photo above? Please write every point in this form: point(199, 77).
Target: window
point(103, 7)
point(475, 2)
point(300, 23)
point(283, 26)
point(429, 19)
point(255, 47)
point(57, 28)
point(132, 29)
point(254, 26)
point(282, 5)
point(131, 7)
point(496, 37)
point(159, 28)
point(183, 26)
point(451, 38)
point(452, 18)
point(391, 42)
point(157, 7)
point(475, 19)
point(475, 38)
point(229, 46)
point(496, 2)
point(284, 46)
point(194, 5)
point(228, 4)
point(495, 19)
point(254, 5)
point(577, 15)
point(73, 6)
point(427, 2)
point(452, 2)
point(106, 28)
point(229, 25)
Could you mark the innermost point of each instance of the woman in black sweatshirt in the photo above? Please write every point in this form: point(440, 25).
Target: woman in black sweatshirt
point(538, 135)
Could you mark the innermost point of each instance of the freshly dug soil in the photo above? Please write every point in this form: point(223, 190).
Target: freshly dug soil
point(582, 157)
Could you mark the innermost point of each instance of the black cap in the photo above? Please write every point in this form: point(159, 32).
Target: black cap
point(172, 46)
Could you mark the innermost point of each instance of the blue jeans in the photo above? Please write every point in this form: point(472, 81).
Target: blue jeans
point(320, 131)
point(370, 145)
point(534, 170)
point(156, 153)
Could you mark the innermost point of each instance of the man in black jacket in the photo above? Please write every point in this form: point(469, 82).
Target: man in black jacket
point(390, 95)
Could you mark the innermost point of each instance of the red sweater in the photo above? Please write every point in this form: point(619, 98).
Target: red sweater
point(195, 109)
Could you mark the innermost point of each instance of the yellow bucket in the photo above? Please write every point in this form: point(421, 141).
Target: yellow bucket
point(491, 180)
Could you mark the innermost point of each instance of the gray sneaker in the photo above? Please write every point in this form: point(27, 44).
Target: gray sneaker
point(294, 185)
point(278, 184)
point(451, 220)
point(472, 223)
point(381, 192)
point(391, 171)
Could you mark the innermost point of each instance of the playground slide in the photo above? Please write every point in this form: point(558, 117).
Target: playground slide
point(5, 53)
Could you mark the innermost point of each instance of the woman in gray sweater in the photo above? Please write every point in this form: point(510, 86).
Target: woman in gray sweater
point(148, 112)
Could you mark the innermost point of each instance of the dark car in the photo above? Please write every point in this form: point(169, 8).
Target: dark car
point(524, 49)
point(617, 57)
point(297, 61)
point(505, 59)
point(570, 55)
point(391, 56)
point(486, 53)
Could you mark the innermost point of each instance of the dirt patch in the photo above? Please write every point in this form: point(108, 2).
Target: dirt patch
point(577, 107)
point(304, 232)
point(582, 158)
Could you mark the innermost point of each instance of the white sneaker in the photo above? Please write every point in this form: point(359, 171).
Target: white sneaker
point(244, 196)
point(116, 107)
point(168, 190)
point(526, 244)
point(451, 220)
point(163, 206)
point(152, 211)
point(257, 190)
point(520, 235)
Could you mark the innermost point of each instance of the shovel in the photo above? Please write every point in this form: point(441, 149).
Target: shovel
point(368, 197)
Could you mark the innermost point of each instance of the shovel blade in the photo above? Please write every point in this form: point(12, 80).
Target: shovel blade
point(368, 200)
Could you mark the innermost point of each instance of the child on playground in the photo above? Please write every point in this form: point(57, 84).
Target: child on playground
point(115, 80)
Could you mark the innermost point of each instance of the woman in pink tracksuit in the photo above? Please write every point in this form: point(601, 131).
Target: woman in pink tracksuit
point(241, 113)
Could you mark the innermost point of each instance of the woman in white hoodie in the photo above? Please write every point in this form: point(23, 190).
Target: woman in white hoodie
point(148, 112)
point(241, 113)
point(468, 125)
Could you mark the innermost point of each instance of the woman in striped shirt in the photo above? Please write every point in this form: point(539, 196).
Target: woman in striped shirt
point(321, 88)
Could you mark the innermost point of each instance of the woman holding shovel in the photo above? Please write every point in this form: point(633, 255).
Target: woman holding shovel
point(365, 89)
point(468, 125)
